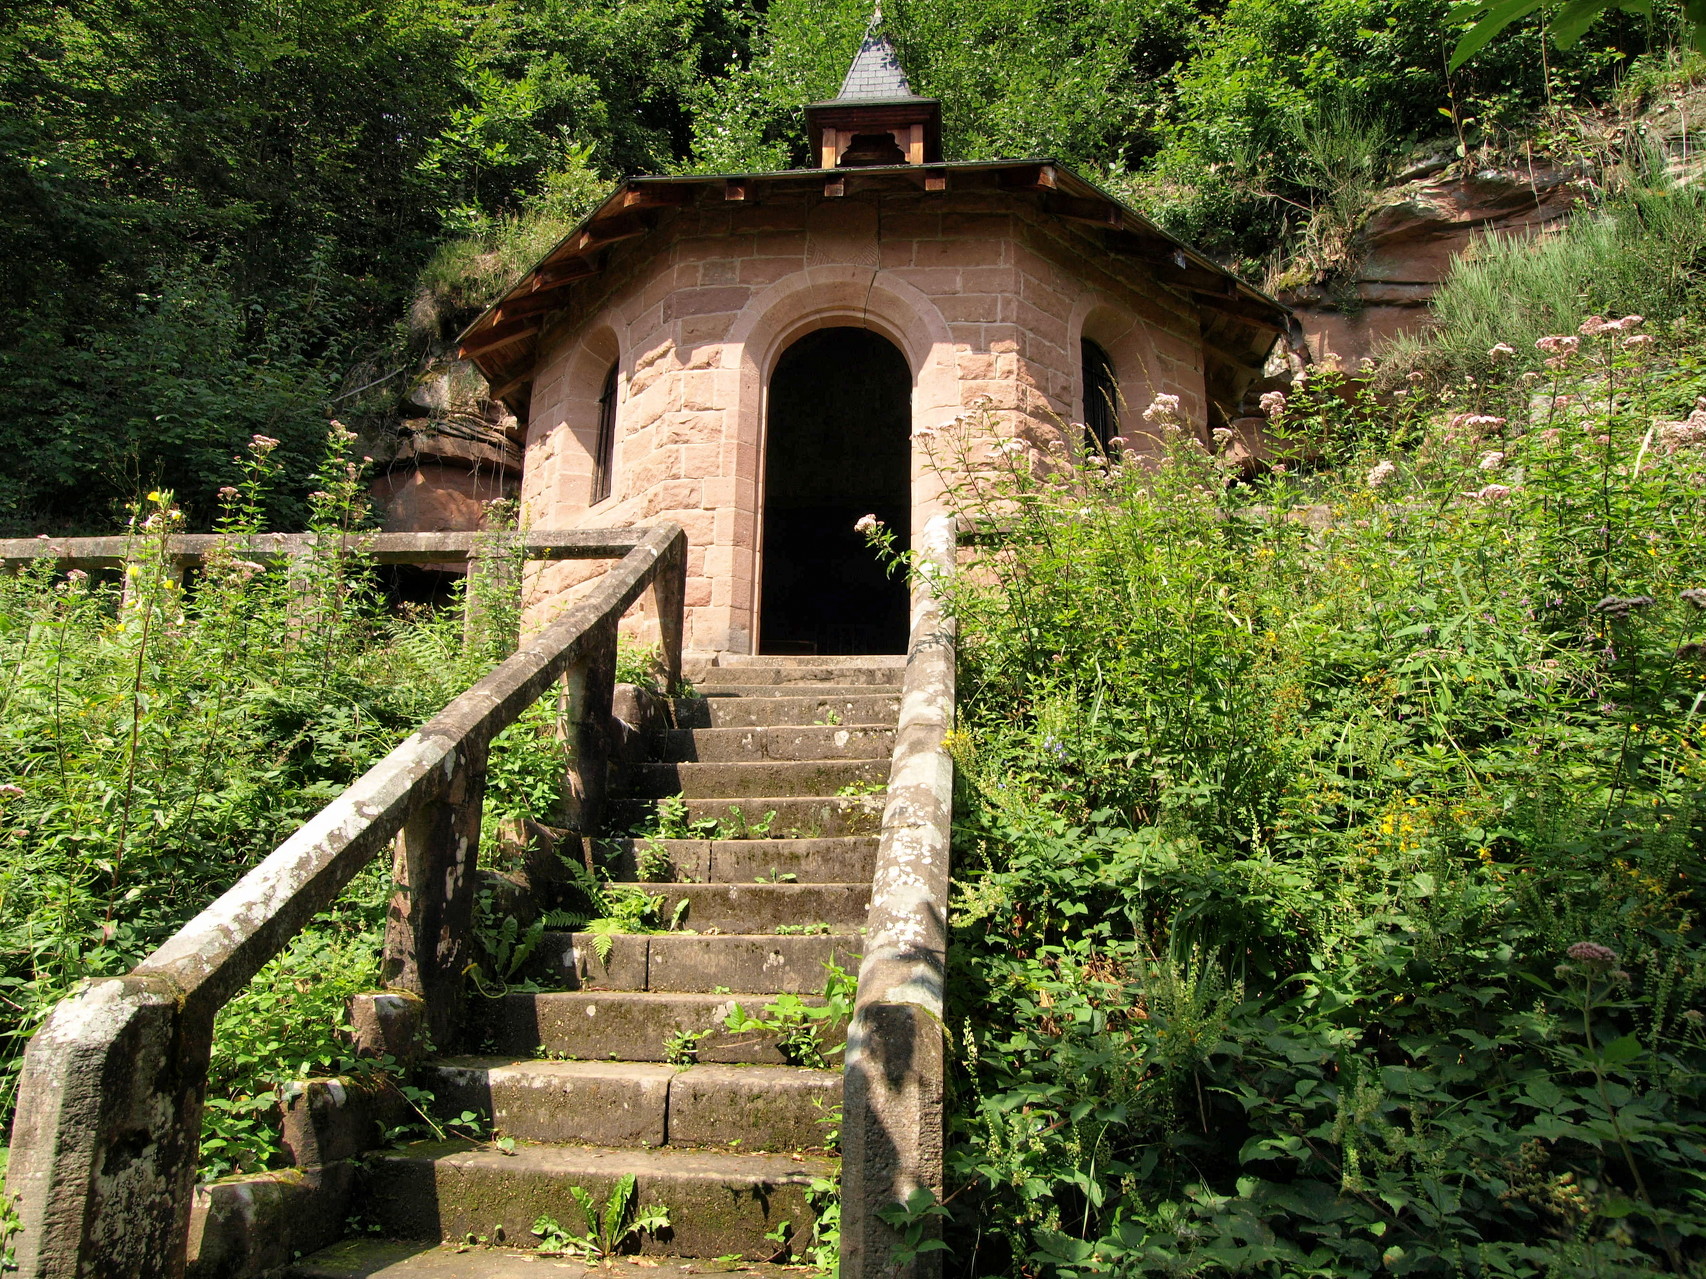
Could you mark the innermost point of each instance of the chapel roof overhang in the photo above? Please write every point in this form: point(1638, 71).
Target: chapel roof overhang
point(1237, 318)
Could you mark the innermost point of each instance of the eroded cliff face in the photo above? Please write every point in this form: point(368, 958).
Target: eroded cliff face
point(1440, 209)
point(1407, 246)
point(454, 452)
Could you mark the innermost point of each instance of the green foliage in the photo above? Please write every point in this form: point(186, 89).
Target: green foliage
point(217, 211)
point(607, 1233)
point(800, 1028)
point(1566, 21)
point(1279, 838)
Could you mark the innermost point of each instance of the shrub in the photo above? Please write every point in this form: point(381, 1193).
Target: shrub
point(1327, 878)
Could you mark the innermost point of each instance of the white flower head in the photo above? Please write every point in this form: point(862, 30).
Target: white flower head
point(1379, 473)
point(867, 525)
point(1491, 493)
point(1273, 403)
point(1491, 461)
point(1163, 408)
point(1501, 352)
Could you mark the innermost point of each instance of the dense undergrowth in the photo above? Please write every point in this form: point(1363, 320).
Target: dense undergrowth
point(158, 740)
point(1329, 854)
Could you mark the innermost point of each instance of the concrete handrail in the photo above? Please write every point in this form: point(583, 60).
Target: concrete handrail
point(892, 1132)
point(381, 548)
point(105, 1140)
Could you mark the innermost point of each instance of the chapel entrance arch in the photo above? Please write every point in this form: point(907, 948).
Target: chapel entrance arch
point(837, 447)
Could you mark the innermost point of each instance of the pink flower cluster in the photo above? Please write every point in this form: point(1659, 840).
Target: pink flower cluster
point(1596, 325)
point(1273, 403)
point(1162, 410)
point(1687, 433)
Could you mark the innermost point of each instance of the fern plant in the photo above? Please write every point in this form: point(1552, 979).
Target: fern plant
point(605, 1233)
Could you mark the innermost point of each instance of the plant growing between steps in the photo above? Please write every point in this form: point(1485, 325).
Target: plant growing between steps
point(607, 1232)
point(800, 1028)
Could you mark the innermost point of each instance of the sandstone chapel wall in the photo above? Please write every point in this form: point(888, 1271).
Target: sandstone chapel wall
point(985, 294)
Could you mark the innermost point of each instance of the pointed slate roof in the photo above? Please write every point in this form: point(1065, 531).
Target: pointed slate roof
point(876, 73)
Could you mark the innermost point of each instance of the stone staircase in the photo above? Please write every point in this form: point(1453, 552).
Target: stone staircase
point(623, 1065)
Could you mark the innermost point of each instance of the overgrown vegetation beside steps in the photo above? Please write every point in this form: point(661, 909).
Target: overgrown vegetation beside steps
point(1328, 880)
point(157, 740)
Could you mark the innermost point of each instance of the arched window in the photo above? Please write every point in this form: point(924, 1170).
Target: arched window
point(1101, 397)
point(605, 449)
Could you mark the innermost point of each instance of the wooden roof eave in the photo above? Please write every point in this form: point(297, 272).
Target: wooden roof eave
point(501, 341)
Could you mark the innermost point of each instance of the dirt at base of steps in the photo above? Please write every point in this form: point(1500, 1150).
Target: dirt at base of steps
point(389, 1259)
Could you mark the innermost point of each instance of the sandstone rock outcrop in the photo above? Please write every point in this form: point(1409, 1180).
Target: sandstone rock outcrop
point(1407, 246)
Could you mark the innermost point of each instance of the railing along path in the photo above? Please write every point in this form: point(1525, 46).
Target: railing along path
point(104, 1145)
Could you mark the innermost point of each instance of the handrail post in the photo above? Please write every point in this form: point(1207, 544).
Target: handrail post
point(892, 1131)
point(429, 931)
point(585, 710)
point(107, 1132)
point(669, 598)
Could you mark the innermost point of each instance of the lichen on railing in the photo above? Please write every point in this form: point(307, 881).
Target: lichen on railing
point(893, 1124)
point(105, 1141)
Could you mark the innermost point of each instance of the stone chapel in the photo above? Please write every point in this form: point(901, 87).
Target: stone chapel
point(760, 356)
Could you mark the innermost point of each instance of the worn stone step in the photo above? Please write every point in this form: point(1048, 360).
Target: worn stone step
point(687, 962)
point(720, 1203)
point(785, 707)
point(844, 859)
point(721, 692)
point(777, 743)
point(593, 1103)
point(634, 1026)
point(817, 778)
point(625, 1103)
point(805, 673)
point(369, 1258)
point(760, 1107)
point(764, 817)
point(727, 660)
point(763, 908)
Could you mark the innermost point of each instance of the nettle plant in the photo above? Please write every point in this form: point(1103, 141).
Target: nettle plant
point(159, 736)
point(1329, 850)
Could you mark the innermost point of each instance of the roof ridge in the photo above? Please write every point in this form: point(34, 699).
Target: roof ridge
point(875, 72)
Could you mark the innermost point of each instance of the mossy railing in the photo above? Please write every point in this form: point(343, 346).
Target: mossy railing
point(893, 1126)
point(104, 1145)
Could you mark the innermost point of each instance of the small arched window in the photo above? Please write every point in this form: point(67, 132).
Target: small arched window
point(605, 448)
point(1101, 397)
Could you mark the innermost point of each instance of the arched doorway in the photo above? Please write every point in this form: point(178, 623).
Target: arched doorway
point(836, 447)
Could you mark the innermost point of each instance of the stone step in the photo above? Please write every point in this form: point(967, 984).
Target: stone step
point(625, 1103)
point(785, 706)
point(369, 1258)
point(720, 1203)
point(765, 817)
point(725, 660)
point(762, 908)
point(692, 963)
point(807, 674)
point(844, 859)
point(719, 692)
point(635, 1026)
point(776, 743)
point(814, 778)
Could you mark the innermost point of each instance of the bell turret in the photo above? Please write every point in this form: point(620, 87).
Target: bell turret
point(877, 119)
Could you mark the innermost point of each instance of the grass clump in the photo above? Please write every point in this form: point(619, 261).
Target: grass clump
point(1329, 849)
